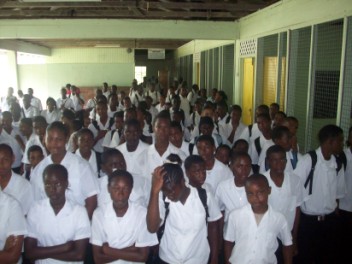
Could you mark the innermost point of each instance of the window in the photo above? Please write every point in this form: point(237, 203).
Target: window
point(27, 58)
point(139, 73)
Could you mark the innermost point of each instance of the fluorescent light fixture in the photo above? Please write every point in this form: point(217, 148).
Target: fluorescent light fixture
point(107, 46)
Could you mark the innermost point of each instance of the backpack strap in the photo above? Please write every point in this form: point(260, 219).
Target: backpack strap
point(190, 148)
point(257, 145)
point(313, 156)
point(202, 193)
point(111, 123)
point(228, 119)
point(112, 133)
point(95, 124)
point(98, 158)
point(250, 130)
point(341, 159)
point(162, 227)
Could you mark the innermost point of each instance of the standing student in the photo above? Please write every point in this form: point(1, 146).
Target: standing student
point(64, 102)
point(119, 229)
point(58, 229)
point(235, 129)
point(324, 183)
point(252, 231)
point(51, 113)
point(83, 183)
point(184, 239)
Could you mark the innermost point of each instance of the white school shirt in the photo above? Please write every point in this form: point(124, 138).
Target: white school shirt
point(241, 132)
point(222, 121)
point(253, 150)
point(67, 103)
point(328, 185)
point(289, 157)
point(160, 108)
point(288, 197)
point(91, 103)
point(82, 181)
point(121, 232)
point(12, 220)
point(230, 197)
point(16, 149)
point(220, 172)
point(154, 95)
point(112, 142)
point(256, 243)
point(255, 132)
point(92, 161)
point(76, 102)
point(98, 147)
point(185, 148)
point(346, 202)
point(21, 190)
point(37, 103)
point(153, 159)
point(135, 158)
point(139, 195)
point(31, 142)
point(70, 224)
point(50, 117)
point(31, 111)
point(185, 235)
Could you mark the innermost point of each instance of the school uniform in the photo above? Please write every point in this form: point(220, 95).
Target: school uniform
point(98, 147)
point(136, 98)
point(254, 132)
point(66, 103)
point(240, 133)
point(256, 243)
point(10, 141)
point(185, 148)
point(154, 95)
point(195, 118)
point(6, 102)
point(230, 197)
point(52, 116)
point(185, 235)
point(82, 181)
point(317, 237)
point(192, 97)
point(70, 224)
point(21, 190)
point(30, 112)
point(185, 106)
point(112, 138)
point(92, 161)
point(223, 121)
point(31, 142)
point(154, 112)
point(91, 103)
point(37, 103)
point(253, 150)
point(12, 220)
point(76, 102)
point(220, 172)
point(111, 113)
point(121, 232)
point(288, 197)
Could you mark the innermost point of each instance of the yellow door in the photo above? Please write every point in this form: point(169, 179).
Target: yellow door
point(283, 84)
point(247, 91)
point(270, 80)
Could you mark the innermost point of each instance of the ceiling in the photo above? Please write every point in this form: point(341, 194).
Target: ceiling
point(190, 10)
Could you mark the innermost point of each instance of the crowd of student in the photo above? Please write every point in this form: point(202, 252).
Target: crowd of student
point(156, 176)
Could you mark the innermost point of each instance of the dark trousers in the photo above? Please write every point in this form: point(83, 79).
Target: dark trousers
point(318, 239)
point(346, 235)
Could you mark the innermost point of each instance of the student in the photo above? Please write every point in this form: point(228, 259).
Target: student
point(240, 145)
point(253, 129)
point(51, 114)
point(235, 129)
point(58, 229)
point(85, 149)
point(195, 116)
point(6, 122)
point(113, 105)
point(324, 182)
point(222, 113)
point(257, 144)
point(91, 104)
point(12, 183)
point(34, 100)
point(119, 230)
point(26, 132)
point(83, 184)
point(216, 171)
point(176, 138)
point(287, 191)
point(292, 124)
point(230, 193)
point(273, 110)
point(113, 137)
point(35, 156)
point(223, 154)
point(184, 239)
point(29, 110)
point(13, 229)
point(252, 231)
point(67, 118)
point(279, 119)
point(64, 102)
point(78, 102)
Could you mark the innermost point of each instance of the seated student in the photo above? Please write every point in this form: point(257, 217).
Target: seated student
point(119, 229)
point(223, 154)
point(39, 127)
point(112, 137)
point(150, 107)
point(287, 191)
point(58, 228)
point(176, 138)
point(112, 160)
point(252, 231)
point(85, 149)
point(257, 144)
point(216, 170)
point(185, 218)
point(12, 183)
point(230, 193)
point(13, 229)
point(281, 136)
point(35, 155)
point(83, 183)
point(51, 114)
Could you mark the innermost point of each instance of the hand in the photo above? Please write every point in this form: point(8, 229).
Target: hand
point(105, 248)
point(102, 133)
point(11, 241)
point(158, 179)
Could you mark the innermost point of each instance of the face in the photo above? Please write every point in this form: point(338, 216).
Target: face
point(206, 150)
point(241, 147)
point(184, 92)
point(115, 162)
point(35, 157)
point(26, 101)
point(176, 136)
point(208, 112)
point(197, 174)
point(63, 92)
point(102, 110)
point(221, 111)
point(39, 129)
point(173, 192)
point(162, 129)
point(128, 115)
point(85, 142)
point(127, 102)
point(235, 117)
point(223, 155)
point(206, 129)
point(6, 161)
point(337, 144)
point(264, 125)
point(278, 119)
point(55, 142)
point(30, 91)
point(118, 122)
point(241, 168)
point(55, 187)
point(218, 97)
point(113, 101)
point(132, 134)
point(120, 190)
point(277, 162)
point(51, 106)
point(273, 110)
point(285, 142)
point(257, 195)
point(6, 122)
point(25, 129)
